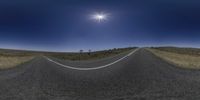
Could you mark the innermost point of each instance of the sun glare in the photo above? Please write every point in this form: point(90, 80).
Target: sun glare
point(99, 17)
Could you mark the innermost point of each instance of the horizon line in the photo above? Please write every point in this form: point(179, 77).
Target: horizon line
point(75, 51)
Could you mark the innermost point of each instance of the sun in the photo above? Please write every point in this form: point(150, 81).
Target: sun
point(99, 17)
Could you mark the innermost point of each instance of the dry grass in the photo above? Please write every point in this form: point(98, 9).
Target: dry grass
point(11, 58)
point(10, 62)
point(90, 56)
point(182, 60)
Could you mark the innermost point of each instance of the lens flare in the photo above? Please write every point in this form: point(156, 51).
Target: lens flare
point(99, 17)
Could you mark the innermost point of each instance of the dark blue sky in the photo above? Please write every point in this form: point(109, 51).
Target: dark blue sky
point(65, 25)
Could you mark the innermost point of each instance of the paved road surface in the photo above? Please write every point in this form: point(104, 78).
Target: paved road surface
point(141, 76)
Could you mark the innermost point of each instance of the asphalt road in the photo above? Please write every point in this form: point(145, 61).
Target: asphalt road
point(140, 76)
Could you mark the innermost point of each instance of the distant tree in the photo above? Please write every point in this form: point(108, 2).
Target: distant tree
point(110, 51)
point(81, 51)
point(89, 52)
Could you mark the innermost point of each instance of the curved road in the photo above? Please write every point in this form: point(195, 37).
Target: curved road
point(140, 76)
point(94, 66)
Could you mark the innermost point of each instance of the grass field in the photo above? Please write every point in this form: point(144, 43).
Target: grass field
point(11, 58)
point(183, 57)
point(9, 62)
point(89, 55)
point(187, 51)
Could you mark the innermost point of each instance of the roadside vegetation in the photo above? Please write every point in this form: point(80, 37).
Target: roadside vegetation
point(187, 51)
point(9, 62)
point(89, 55)
point(183, 57)
point(12, 58)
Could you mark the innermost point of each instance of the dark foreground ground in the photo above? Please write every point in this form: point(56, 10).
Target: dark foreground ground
point(141, 76)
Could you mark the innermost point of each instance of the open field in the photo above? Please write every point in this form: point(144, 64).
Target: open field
point(9, 62)
point(187, 51)
point(139, 76)
point(90, 55)
point(11, 58)
point(183, 57)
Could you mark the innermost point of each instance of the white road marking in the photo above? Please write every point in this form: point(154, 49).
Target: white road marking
point(94, 68)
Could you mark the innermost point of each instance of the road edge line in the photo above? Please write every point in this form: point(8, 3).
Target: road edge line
point(94, 68)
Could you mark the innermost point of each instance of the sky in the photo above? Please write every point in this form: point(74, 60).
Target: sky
point(66, 25)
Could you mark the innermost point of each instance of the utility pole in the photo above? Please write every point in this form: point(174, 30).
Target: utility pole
point(81, 51)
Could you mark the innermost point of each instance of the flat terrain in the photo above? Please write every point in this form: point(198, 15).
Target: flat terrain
point(13, 58)
point(89, 55)
point(10, 62)
point(139, 76)
point(179, 50)
point(182, 57)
